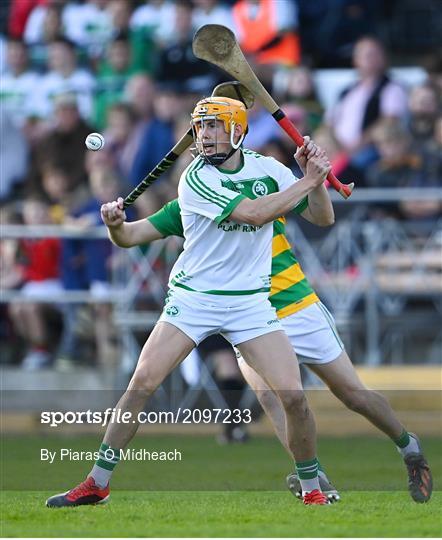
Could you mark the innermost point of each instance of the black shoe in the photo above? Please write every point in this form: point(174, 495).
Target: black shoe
point(420, 481)
point(294, 485)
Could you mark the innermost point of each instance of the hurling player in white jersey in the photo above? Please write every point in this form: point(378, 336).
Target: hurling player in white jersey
point(229, 198)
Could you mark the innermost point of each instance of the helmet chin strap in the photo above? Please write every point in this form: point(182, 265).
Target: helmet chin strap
point(219, 159)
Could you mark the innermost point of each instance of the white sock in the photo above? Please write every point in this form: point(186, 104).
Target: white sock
point(411, 448)
point(101, 476)
point(309, 485)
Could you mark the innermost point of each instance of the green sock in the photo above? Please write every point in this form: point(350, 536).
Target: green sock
point(308, 474)
point(108, 459)
point(403, 440)
point(319, 466)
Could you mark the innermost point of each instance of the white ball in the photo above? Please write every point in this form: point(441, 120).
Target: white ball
point(94, 141)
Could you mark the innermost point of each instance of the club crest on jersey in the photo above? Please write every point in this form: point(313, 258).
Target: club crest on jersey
point(259, 188)
point(173, 311)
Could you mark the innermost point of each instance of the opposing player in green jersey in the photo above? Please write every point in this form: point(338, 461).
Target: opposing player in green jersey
point(312, 332)
point(220, 283)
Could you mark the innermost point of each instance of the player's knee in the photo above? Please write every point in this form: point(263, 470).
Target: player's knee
point(294, 402)
point(143, 381)
point(268, 399)
point(356, 400)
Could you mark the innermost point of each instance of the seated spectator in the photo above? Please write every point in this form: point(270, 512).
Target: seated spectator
point(64, 76)
point(423, 107)
point(266, 30)
point(176, 62)
point(43, 26)
point(13, 157)
point(141, 38)
point(122, 137)
point(341, 163)
point(262, 127)
point(19, 11)
point(64, 144)
point(40, 278)
point(330, 28)
point(401, 166)
point(86, 265)
point(88, 25)
point(300, 91)
point(211, 12)
point(139, 92)
point(373, 96)
point(113, 73)
point(155, 16)
point(19, 83)
point(62, 194)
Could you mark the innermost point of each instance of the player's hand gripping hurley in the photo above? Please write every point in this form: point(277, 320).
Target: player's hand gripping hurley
point(217, 44)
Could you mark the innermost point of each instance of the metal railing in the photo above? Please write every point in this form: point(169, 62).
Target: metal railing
point(355, 267)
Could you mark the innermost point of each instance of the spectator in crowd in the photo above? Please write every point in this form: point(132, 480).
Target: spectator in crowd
point(122, 137)
point(400, 165)
point(373, 96)
point(18, 15)
point(300, 91)
point(424, 106)
point(13, 157)
point(64, 144)
point(40, 277)
point(262, 127)
point(267, 31)
point(64, 76)
point(329, 29)
point(43, 26)
point(177, 65)
point(156, 16)
point(86, 266)
point(60, 191)
point(211, 12)
point(342, 166)
point(89, 26)
point(141, 38)
point(156, 135)
point(432, 153)
point(19, 83)
point(113, 73)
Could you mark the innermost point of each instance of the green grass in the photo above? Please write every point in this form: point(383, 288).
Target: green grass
point(218, 491)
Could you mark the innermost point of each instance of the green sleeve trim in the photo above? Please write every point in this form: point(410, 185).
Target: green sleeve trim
point(167, 220)
point(229, 208)
point(301, 206)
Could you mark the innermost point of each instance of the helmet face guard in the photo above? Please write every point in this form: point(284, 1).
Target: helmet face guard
point(229, 111)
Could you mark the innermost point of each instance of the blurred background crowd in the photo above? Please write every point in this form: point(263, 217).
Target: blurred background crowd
point(125, 68)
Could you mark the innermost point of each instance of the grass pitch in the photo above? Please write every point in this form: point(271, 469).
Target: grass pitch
point(232, 491)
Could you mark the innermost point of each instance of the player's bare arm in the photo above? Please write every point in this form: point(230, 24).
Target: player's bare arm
point(320, 209)
point(268, 208)
point(126, 234)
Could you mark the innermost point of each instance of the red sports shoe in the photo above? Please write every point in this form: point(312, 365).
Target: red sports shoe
point(85, 493)
point(315, 497)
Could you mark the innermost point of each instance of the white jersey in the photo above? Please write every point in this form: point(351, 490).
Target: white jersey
point(221, 256)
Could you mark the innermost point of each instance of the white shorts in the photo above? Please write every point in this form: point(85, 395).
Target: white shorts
point(313, 335)
point(237, 318)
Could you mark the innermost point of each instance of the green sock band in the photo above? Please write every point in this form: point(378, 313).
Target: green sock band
point(307, 469)
point(320, 466)
point(404, 440)
point(108, 457)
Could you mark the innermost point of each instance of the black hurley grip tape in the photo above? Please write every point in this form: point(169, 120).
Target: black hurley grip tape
point(278, 115)
point(149, 179)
